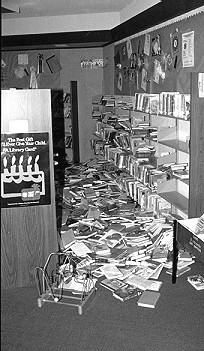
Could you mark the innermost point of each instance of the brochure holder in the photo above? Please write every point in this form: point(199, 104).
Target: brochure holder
point(51, 284)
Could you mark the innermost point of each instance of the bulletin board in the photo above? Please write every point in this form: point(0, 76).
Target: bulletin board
point(160, 59)
point(30, 69)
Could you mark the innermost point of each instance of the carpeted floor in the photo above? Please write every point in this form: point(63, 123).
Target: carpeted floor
point(107, 324)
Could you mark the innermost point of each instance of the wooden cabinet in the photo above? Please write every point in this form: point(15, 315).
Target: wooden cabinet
point(28, 233)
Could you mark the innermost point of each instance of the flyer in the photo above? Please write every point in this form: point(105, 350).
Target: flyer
point(25, 170)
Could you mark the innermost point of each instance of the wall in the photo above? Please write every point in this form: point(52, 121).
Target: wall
point(13, 76)
point(108, 71)
point(89, 83)
point(173, 76)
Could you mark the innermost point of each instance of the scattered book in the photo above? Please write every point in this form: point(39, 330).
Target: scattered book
point(139, 282)
point(179, 271)
point(184, 255)
point(112, 284)
point(181, 264)
point(181, 174)
point(197, 281)
point(156, 285)
point(154, 268)
point(200, 225)
point(148, 299)
point(111, 271)
point(67, 238)
point(80, 249)
point(101, 249)
point(78, 286)
point(127, 292)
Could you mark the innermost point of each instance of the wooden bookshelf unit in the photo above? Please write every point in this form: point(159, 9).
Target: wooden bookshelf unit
point(179, 141)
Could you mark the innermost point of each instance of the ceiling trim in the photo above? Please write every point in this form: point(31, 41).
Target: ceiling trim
point(157, 14)
point(57, 40)
point(161, 12)
point(164, 24)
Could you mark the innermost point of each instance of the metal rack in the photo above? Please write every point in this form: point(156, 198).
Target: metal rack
point(50, 282)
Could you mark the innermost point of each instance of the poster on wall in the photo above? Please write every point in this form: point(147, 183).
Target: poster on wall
point(25, 171)
point(188, 49)
point(201, 85)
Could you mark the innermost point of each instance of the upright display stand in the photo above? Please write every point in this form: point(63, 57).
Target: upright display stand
point(196, 185)
point(28, 218)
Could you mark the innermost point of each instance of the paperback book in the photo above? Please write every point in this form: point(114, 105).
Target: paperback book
point(112, 284)
point(148, 299)
point(139, 282)
point(197, 281)
point(127, 292)
point(179, 271)
point(111, 271)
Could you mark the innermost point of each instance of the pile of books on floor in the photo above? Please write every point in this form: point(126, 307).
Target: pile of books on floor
point(124, 248)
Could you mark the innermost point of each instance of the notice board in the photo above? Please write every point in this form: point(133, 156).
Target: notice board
point(160, 59)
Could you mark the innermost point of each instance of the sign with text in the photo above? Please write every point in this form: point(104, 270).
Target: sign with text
point(25, 172)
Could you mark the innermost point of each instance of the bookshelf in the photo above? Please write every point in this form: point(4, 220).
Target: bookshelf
point(161, 138)
point(173, 148)
point(62, 125)
point(65, 127)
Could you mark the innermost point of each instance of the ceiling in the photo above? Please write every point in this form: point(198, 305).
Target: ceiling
point(33, 8)
point(151, 16)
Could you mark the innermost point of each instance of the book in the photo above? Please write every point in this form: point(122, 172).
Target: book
point(154, 268)
point(112, 284)
point(126, 271)
point(148, 299)
point(179, 271)
point(112, 237)
point(117, 253)
point(89, 193)
point(156, 285)
point(127, 292)
point(80, 249)
point(184, 255)
point(200, 225)
point(111, 271)
point(139, 282)
point(181, 264)
point(181, 174)
point(159, 254)
point(67, 238)
point(101, 249)
point(197, 281)
point(78, 286)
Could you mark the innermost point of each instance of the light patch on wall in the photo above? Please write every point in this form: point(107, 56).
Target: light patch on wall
point(22, 59)
point(18, 126)
point(93, 63)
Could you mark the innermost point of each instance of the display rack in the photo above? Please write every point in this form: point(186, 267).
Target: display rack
point(50, 283)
